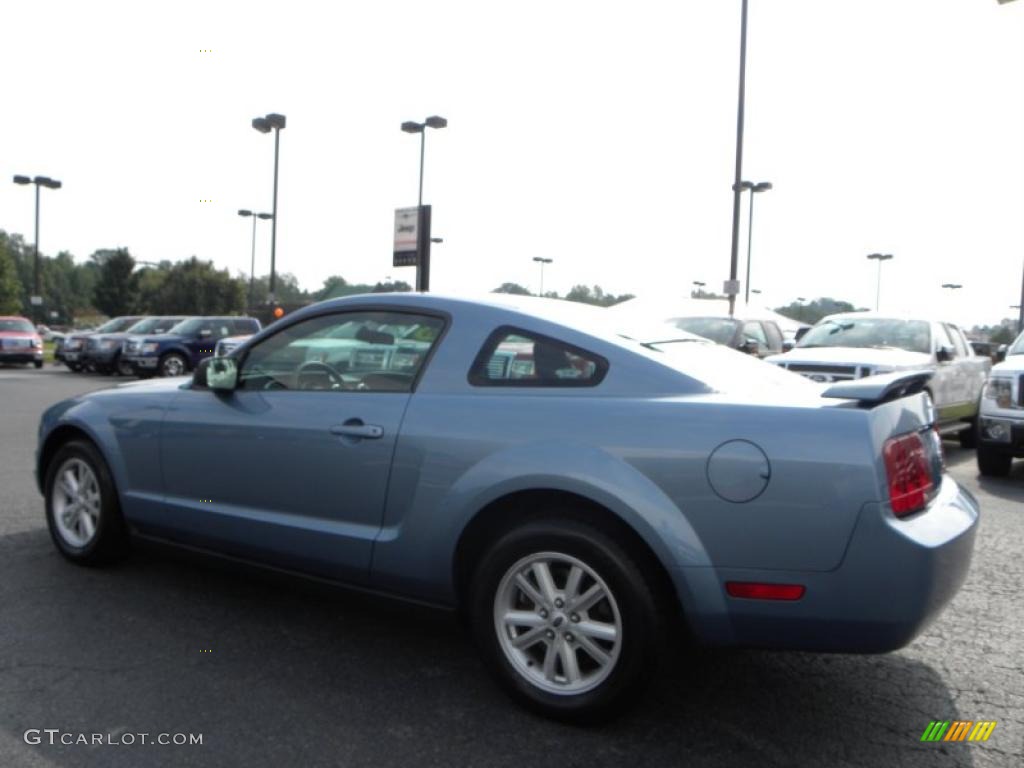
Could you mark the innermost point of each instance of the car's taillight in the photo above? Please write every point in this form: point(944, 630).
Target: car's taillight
point(909, 471)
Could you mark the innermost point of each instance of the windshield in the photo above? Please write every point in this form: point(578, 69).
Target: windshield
point(719, 329)
point(882, 333)
point(1018, 346)
point(185, 327)
point(117, 324)
point(153, 324)
point(16, 324)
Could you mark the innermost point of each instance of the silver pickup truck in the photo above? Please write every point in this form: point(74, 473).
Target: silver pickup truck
point(858, 344)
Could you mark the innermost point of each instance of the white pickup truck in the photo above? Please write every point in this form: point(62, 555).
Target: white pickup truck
point(1001, 422)
point(858, 344)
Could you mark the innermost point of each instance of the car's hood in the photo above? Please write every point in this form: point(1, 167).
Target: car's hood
point(1012, 364)
point(888, 358)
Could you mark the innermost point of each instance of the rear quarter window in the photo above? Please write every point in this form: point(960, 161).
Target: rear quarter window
point(512, 357)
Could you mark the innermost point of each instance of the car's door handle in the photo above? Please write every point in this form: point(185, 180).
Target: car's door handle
point(356, 428)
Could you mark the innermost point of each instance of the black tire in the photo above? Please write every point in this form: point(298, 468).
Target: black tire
point(642, 633)
point(123, 367)
point(38, 364)
point(110, 541)
point(74, 367)
point(992, 462)
point(169, 361)
point(969, 437)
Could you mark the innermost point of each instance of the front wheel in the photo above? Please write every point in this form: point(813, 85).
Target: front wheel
point(124, 368)
point(565, 620)
point(38, 364)
point(992, 462)
point(969, 437)
point(82, 509)
point(173, 364)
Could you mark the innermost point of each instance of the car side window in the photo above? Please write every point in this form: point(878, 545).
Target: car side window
point(958, 341)
point(774, 335)
point(752, 331)
point(515, 358)
point(347, 351)
point(245, 326)
point(945, 338)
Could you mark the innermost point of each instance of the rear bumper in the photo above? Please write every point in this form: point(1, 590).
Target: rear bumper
point(894, 580)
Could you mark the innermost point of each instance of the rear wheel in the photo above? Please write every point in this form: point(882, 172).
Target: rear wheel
point(565, 620)
point(74, 367)
point(993, 463)
point(38, 363)
point(173, 364)
point(82, 509)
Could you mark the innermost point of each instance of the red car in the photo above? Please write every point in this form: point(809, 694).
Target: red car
point(19, 341)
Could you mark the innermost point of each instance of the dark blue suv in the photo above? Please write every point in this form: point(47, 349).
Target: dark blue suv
point(178, 351)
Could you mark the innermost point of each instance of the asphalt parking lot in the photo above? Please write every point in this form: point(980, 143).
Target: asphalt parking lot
point(275, 671)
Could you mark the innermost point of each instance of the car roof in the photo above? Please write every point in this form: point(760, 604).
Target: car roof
point(883, 316)
point(584, 318)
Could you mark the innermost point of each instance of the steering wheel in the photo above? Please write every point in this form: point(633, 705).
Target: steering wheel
point(337, 382)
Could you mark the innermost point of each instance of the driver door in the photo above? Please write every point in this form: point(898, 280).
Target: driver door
point(292, 466)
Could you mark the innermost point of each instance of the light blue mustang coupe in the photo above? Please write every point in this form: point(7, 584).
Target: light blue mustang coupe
point(575, 488)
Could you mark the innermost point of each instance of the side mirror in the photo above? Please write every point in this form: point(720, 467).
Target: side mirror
point(944, 354)
point(751, 347)
point(788, 345)
point(1001, 353)
point(218, 373)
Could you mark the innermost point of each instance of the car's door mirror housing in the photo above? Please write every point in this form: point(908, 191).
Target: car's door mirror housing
point(1001, 353)
point(219, 373)
point(788, 345)
point(944, 354)
point(751, 347)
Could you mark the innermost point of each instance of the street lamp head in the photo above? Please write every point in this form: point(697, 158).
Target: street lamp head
point(410, 126)
point(762, 186)
point(437, 239)
point(22, 180)
point(264, 216)
point(699, 283)
point(743, 186)
point(275, 120)
point(952, 285)
point(436, 121)
point(261, 124)
point(244, 212)
point(880, 256)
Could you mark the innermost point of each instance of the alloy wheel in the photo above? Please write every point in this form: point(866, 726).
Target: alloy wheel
point(76, 503)
point(558, 623)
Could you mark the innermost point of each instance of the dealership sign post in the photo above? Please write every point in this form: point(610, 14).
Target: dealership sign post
point(412, 243)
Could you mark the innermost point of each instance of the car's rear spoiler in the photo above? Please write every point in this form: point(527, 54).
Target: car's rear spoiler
point(873, 390)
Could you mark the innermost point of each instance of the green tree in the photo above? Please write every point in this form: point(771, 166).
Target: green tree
point(10, 285)
point(195, 287)
point(813, 312)
point(514, 288)
point(595, 296)
point(116, 291)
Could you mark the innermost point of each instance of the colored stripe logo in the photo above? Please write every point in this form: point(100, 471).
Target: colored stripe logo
point(958, 730)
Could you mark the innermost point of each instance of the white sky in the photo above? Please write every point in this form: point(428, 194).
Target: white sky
point(600, 134)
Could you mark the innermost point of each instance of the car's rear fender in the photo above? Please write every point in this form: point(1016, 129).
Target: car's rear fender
point(417, 546)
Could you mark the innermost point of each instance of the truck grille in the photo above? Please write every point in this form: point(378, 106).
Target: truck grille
point(829, 373)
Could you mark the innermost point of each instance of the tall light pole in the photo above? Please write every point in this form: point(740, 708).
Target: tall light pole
point(39, 181)
point(542, 261)
point(422, 224)
point(760, 186)
point(880, 257)
point(803, 302)
point(1020, 307)
point(252, 265)
point(737, 179)
point(264, 125)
